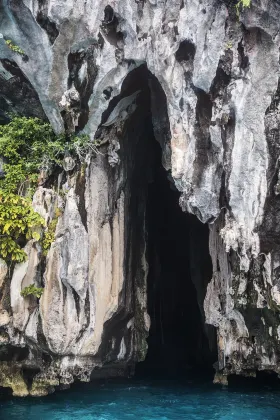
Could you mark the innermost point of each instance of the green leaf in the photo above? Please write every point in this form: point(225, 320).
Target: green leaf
point(32, 290)
point(36, 236)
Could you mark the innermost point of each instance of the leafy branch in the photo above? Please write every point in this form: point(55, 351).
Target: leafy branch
point(27, 147)
point(32, 290)
point(241, 5)
point(18, 221)
point(14, 48)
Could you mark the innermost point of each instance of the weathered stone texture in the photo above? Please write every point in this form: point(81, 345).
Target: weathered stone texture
point(219, 79)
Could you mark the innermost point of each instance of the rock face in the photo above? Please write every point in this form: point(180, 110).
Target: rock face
point(208, 81)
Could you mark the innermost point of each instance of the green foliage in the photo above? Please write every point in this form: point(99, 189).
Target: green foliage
point(18, 221)
point(14, 48)
point(32, 290)
point(241, 4)
point(49, 236)
point(228, 45)
point(245, 3)
point(29, 146)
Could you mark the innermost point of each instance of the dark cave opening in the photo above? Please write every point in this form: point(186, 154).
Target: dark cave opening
point(177, 243)
point(177, 256)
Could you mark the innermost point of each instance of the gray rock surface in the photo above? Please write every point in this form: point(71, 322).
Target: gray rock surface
point(220, 140)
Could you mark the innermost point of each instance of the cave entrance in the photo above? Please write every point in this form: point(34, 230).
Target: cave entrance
point(179, 271)
point(177, 248)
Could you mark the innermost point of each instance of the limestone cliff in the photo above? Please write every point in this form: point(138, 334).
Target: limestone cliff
point(208, 81)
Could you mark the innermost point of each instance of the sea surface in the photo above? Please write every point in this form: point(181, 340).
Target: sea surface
point(147, 400)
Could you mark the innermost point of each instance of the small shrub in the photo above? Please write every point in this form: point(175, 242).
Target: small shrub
point(18, 220)
point(228, 45)
point(241, 5)
point(14, 48)
point(32, 290)
point(28, 146)
point(49, 236)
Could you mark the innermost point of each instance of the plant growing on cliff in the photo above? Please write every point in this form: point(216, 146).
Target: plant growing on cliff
point(32, 290)
point(27, 147)
point(228, 45)
point(18, 223)
point(241, 5)
point(49, 236)
point(13, 47)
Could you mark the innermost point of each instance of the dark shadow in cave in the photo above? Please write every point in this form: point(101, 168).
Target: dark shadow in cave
point(177, 341)
point(177, 243)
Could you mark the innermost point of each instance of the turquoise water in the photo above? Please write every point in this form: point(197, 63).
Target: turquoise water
point(147, 400)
